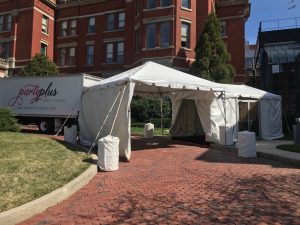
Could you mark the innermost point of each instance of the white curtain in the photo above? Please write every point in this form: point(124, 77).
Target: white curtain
point(95, 109)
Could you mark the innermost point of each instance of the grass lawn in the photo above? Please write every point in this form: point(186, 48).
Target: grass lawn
point(32, 166)
point(290, 148)
point(157, 131)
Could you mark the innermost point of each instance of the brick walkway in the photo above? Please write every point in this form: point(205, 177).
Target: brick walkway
point(168, 182)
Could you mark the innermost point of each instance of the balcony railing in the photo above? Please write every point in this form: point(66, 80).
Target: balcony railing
point(280, 24)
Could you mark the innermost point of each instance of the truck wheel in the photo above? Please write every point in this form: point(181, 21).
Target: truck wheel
point(46, 126)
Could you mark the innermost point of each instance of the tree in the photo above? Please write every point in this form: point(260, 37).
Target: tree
point(211, 54)
point(40, 65)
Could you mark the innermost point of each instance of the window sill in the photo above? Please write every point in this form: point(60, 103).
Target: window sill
point(186, 9)
point(66, 66)
point(70, 36)
point(4, 31)
point(224, 36)
point(90, 34)
point(156, 48)
point(113, 63)
point(186, 49)
point(89, 65)
point(47, 34)
point(111, 31)
point(159, 8)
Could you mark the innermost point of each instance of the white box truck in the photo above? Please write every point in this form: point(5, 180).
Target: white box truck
point(45, 101)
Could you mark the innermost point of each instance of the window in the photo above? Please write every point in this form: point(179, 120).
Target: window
point(90, 55)
point(120, 52)
point(4, 50)
point(164, 34)
point(186, 4)
point(185, 35)
point(72, 56)
point(64, 28)
point(91, 25)
point(110, 22)
point(67, 56)
point(5, 22)
point(121, 20)
point(73, 27)
point(43, 49)
point(223, 29)
point(1, 23)
point(62, 57)
point(151, 32)
point(109, 52)
point(45, 21)
point(151, 4)
point(165, 3)
point(9, 22)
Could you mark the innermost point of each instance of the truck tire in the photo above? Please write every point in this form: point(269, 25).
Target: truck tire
point(46, 126)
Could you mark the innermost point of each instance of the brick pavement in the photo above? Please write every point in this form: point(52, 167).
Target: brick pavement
point(168, 182)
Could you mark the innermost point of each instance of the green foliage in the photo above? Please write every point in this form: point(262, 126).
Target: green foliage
point(211, 54)
point(40, 65)
point(8, 121)
point(142, 110)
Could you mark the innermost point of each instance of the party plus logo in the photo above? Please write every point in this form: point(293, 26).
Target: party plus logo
point(34, 92)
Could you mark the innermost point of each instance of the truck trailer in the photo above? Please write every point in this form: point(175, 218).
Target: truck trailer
point(45, 101)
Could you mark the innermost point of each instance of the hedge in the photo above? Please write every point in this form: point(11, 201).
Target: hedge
point(8, 121)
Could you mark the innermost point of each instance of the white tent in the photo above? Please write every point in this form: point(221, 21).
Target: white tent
point(105, 108)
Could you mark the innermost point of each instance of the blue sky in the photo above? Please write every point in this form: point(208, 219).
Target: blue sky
point(262, 10)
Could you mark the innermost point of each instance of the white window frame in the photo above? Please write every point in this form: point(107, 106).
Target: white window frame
point(46, 49)
point(121, 21)
point(120, 52)
point(64, 28)
point(91, 25)
point(109, 53)
point(148, 37)
point(45, 24)
point(73, 27)
point(90, 55)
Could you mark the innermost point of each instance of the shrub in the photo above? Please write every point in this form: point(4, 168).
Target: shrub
point(8, 122)
point(166, 122)
point(142, 110)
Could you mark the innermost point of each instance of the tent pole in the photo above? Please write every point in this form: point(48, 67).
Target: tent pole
point(161, 116)
point(224, 105)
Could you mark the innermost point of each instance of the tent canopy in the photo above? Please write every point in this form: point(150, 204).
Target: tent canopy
point(155, 78)
point(105, 107)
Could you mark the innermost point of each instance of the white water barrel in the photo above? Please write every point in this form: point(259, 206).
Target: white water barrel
point(108, 153)
point(226, 135)
point(148, 130)
point(247, 144)
point(70, 134)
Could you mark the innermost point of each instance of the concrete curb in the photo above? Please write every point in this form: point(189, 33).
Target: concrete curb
point(288, 161)
point(275, 156)
point(28, 210)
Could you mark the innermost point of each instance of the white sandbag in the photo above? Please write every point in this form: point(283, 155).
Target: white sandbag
point(70, 134)
point(148, 130)
point(226, 135)
point(108, 153)
point(247, 144)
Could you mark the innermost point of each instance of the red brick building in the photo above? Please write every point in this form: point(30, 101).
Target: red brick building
point(104, 37)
